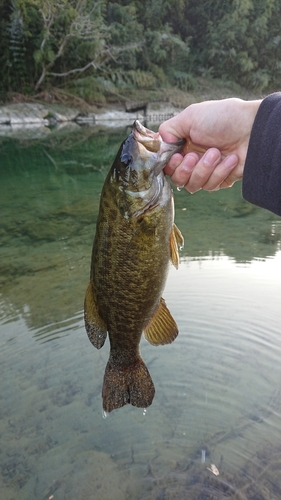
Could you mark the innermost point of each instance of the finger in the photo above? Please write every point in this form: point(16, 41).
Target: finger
point(174, 162)
point(221, 173)
point(174, 128)
point(203, 170)
point(168, 131)
point(235, 175)
point(169, 136)
point(182, 173)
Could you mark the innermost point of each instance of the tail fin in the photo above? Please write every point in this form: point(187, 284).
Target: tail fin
point(127, 385)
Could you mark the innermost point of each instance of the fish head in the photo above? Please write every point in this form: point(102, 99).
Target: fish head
point(141, 160)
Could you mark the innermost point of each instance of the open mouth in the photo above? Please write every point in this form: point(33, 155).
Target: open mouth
point(151, 142)
point(149, 139)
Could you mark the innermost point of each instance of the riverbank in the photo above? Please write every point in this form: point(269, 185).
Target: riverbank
point(35, 120)
point(38, 119)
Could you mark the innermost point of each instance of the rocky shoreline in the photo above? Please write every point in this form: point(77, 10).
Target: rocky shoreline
point(35, 120)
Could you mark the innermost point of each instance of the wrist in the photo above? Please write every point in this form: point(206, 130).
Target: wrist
point(251, 108)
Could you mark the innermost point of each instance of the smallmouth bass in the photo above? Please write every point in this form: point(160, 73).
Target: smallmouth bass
point(135, 240)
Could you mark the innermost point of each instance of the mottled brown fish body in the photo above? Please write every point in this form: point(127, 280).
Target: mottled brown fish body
point(134, 242)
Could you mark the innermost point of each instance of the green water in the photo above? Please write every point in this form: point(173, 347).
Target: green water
point(218, 386)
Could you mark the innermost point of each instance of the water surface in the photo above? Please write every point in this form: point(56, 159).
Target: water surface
point(218, 386)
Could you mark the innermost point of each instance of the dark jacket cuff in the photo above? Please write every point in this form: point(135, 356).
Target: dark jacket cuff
point(261, 183)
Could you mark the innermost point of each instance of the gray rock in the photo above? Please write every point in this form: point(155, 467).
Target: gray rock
point(25, 113)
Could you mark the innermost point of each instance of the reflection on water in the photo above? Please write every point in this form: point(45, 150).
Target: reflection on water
point(218, 386)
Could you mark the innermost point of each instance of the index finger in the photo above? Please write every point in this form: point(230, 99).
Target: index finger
point(174, 162)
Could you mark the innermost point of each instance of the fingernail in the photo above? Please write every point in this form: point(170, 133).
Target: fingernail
point(192, 192)
point(211, 157)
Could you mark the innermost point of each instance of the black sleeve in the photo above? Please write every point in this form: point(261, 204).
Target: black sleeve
point(261, 183)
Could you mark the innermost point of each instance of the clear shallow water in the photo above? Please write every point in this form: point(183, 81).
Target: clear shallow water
point(218, 386)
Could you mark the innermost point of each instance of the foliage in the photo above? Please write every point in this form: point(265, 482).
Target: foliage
point(17, 44)
point(91, 47)
point(235, 40)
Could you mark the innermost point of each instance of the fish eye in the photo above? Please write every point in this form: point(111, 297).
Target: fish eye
point(126, 158)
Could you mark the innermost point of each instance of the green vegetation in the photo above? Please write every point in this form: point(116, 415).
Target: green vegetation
point(97, 50)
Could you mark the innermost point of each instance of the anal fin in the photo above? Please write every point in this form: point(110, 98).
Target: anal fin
point(176, 240)
point(95, 326)
point(162, 328)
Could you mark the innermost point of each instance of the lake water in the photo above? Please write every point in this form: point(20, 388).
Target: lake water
point(217, 407)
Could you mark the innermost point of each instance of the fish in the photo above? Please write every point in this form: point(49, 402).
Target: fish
point(135, 240)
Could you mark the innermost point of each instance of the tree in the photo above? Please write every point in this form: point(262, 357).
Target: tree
point(137, 43)
point(64, 22)
point(236, 40)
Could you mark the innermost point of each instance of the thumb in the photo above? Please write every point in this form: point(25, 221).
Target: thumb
point(168, 135)
point(174, 128)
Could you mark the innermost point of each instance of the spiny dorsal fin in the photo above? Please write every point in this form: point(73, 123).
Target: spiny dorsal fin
point(95, 326)
point(162, 328)
point(176, 240)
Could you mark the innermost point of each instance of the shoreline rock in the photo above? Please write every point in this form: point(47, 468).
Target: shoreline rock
point(35, 120)
point(14, 114)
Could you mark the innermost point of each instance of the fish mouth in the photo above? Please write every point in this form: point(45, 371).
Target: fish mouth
point(149, 139)
point(151, 143)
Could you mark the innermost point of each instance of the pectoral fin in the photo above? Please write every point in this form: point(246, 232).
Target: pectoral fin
point(94, 324)
point(176, 240)
point(162, 328)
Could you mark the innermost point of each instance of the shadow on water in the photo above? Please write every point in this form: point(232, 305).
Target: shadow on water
point(218, 387)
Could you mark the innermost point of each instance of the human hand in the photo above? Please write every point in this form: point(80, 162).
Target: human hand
point(220, 128)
